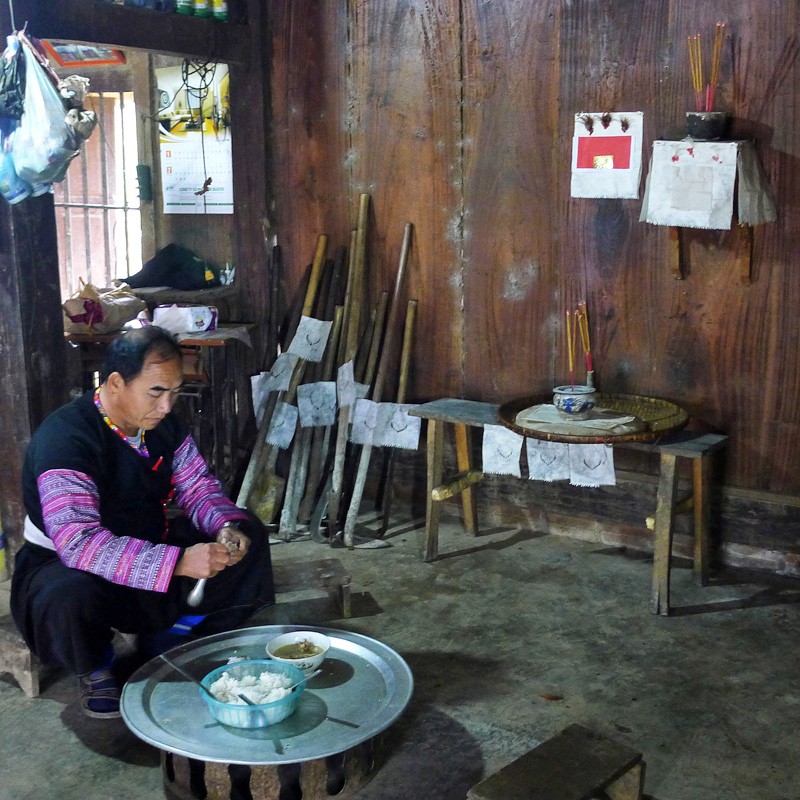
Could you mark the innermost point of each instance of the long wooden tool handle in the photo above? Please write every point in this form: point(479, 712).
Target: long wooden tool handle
point(394, 312)
point(377, 338)
point(366, 450)
point(384, 497)
point(261, 455)
point(299, 468)
point(348, 295)
point(405, 354)
point(316, 271)
point(318, 453)
point(350, 335)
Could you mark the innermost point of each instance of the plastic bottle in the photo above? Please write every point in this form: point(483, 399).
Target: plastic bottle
point(202, 8)
point(219, 10)
point(185, 7)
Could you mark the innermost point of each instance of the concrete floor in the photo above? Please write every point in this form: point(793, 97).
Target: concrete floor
point(511, 637)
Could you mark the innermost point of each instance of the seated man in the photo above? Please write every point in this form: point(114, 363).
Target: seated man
point(104, 550)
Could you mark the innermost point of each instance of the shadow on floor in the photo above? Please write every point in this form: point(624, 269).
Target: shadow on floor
point(766, 588)
point(429, 755)
point(516, 537)
point(314, 611)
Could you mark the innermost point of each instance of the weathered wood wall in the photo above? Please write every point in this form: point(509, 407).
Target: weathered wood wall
point(457, 116)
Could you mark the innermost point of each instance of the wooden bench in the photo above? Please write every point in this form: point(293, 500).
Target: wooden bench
point(464, 414)
point(17, 660)
point(327, 572)
point(577, 764)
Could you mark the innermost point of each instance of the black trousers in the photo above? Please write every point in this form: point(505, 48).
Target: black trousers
point(68, 616)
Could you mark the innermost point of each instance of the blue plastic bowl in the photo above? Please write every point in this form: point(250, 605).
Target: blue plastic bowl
point(257, 716)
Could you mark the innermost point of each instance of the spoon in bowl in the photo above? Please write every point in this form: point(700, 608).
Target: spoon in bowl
point(185, 674)
point(304, 679)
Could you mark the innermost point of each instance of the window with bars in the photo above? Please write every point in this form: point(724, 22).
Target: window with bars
point(97, 205)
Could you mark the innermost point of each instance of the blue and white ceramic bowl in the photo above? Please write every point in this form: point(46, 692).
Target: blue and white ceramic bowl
point(574, 402)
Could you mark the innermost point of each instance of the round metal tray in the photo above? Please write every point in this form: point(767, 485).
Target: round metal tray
point(654, 418)
point(363, 688)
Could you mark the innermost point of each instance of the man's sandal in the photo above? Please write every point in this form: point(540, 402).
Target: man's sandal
point(99, 694)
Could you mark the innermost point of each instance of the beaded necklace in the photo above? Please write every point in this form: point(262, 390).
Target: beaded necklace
point(137, 442)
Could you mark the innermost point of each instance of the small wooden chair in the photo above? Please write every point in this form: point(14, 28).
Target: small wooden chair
point(17, 660)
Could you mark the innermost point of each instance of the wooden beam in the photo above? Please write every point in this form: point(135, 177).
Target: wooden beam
point(139, 28)
point(32, 348)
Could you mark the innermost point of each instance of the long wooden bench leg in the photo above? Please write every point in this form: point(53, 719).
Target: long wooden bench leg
point(435, 455)
point(665, 520)
point(464, 466)
point(702, 517)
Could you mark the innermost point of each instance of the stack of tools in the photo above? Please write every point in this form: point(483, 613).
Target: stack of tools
point(321, 410)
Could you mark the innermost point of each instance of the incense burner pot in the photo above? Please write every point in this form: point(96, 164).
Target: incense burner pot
point(705, 126)
point(574, 402)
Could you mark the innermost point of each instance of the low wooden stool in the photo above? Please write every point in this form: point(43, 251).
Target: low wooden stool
point(699, 448)
point(329, 572)
point(17, 659)
point(576, 764)
point(462, 414)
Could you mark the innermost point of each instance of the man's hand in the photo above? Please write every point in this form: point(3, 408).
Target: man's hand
point(236, 542)
point(203, 560)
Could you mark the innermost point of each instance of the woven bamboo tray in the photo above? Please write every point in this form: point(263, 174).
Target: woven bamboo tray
point(654, 418)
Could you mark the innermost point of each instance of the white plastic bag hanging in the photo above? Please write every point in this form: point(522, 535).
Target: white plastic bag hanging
point(44, 144)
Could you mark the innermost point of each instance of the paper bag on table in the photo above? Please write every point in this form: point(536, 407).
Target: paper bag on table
point(97, 311)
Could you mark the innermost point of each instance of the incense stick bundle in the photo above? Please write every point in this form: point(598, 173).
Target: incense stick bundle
point(696, 66)
point(719, 34)
point(571, 349)
point(704, 95)
point(582, 319)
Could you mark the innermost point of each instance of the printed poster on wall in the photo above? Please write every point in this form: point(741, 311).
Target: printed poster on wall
point(607, 155)
point(195, 139)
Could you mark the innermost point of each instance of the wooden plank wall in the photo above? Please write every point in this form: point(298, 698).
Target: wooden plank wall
point(457, 116)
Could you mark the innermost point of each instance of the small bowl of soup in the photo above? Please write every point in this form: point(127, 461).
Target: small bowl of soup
point(303, 649)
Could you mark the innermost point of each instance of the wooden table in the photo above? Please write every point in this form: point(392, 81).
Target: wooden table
point(668, 443)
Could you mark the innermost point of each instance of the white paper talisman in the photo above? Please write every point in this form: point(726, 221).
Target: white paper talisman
point(316, 403)
point(395, 427)
point(281, 373)
point(547, 461)
point(283, 425)
point(310, 339)
point(364, 419)
point(501, 450)
point(591, 465)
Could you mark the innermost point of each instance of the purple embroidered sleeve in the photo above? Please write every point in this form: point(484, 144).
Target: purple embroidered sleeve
point(199, 493)
point(71, 510)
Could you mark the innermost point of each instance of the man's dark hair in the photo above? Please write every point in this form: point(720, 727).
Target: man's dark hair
point(128, 352)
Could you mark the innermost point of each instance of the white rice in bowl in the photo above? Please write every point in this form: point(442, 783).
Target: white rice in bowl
point(266, 688)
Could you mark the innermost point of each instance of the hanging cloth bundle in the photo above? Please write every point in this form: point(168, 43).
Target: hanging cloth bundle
point(12, 79)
